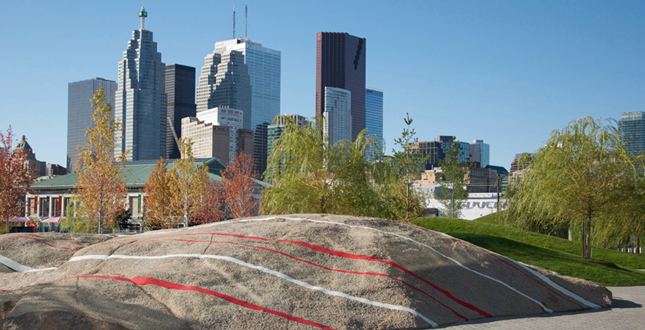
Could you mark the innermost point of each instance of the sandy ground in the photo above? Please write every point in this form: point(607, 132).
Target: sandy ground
point(294, 271)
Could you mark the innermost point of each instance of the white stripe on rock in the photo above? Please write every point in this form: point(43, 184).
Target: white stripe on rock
point(20, 268)
point(266, 270)
point(546, 309)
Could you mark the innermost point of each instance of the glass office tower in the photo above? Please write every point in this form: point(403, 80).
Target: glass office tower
point(180, 90)
point(337, 118)
point(264, 73)
point(374, 115)
point(79, 113)
point(225, 82)
point(480, 153)
point(340, 63)
point(632, 131)
point(141, 98)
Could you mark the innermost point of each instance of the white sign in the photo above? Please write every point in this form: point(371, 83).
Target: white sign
point(473, 207)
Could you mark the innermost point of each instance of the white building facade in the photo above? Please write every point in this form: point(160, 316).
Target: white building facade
point(223, 116)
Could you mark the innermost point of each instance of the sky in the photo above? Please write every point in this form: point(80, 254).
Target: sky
point(506, 72)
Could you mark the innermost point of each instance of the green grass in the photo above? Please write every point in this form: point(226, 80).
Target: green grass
point(609, 268)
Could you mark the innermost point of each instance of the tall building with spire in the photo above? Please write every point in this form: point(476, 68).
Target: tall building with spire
point(140, 100)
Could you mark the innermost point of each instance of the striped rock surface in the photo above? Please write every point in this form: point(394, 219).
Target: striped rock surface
point(302, 271)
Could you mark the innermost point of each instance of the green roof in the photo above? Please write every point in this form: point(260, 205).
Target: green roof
point(136, 174)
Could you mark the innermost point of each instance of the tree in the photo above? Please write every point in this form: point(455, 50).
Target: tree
point(237, 187)
point(581, 175)
point(160, 190)
point(210, 206)
point(191, 181)
point(311, 175)
point(101, 191)
point(408, 165)
point(15, 178)
point(452, 190)
point(628, 226)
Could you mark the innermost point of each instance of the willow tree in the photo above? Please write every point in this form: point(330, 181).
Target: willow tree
point(452, 189)
point(580, 176)
point(100, 191)
point(402, 170)
point(311, 175)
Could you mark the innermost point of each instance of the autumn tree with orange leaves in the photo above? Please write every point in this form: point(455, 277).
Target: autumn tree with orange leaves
point(15, 178)
point(237, 187)
point(180, 194)
point(101, 191)
point(159, 191)
point(211, 205)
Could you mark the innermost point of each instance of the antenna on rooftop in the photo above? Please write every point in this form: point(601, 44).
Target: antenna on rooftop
point(143, 14)
point(233, 20)
point(246, 13)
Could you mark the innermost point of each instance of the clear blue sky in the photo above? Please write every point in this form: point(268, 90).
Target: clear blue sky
point(507, 72)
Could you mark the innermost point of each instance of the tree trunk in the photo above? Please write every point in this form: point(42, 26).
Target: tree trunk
point(587, 224)
point(582, 238)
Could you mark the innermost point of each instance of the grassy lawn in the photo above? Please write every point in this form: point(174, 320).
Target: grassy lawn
point(609, 268)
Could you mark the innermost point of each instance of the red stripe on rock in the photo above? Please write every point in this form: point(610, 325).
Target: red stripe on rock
point(177, 286)
point(37, 240)
point(327, 268)
point(359, 257)
point(296, 258)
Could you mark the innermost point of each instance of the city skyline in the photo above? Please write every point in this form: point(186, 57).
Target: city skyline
point(505, 72)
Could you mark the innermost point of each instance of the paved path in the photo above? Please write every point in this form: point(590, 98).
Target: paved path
point(628, 313)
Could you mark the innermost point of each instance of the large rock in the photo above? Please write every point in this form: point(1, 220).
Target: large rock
point(292, 271)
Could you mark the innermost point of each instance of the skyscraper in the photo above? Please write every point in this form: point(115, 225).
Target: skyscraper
point(264, 72)
point(141, 98)
point(180, 89)
point(337, 118)
point(340, 63)
point(225, 82)
point(79, 113)
point(632, 131)
point(374, 115)
point(480, 153)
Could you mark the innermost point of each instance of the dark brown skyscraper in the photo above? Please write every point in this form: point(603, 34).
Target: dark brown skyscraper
point(180, 88)
point(340, 63)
